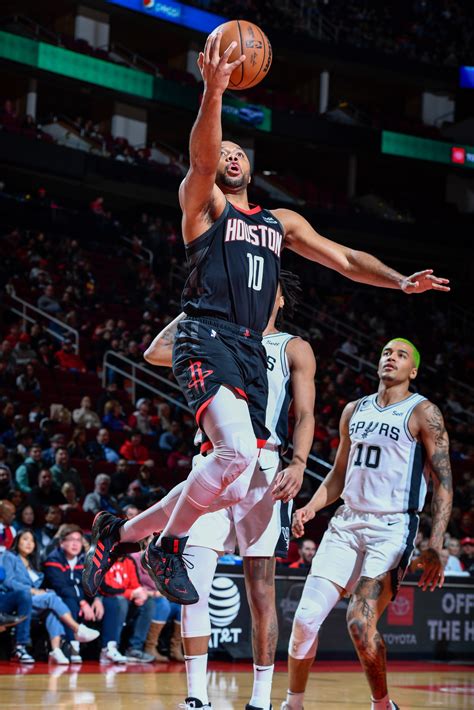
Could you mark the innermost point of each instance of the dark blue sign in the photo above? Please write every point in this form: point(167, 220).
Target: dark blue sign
point(466, 77)
point(175, 12)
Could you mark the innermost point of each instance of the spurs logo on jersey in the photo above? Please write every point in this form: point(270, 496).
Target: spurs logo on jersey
point(385, 471)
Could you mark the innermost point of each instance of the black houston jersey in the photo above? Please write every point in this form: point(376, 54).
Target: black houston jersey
point(234, 268)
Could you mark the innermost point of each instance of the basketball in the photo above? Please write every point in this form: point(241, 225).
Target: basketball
point(252, 42)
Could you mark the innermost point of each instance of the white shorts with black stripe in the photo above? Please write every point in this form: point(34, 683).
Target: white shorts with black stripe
point(257, 526)
point(358, 544)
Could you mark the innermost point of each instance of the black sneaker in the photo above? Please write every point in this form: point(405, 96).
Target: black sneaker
point(105, 549)
point(254, 707)
point(191, 703)
point(167, 567)
point(7, 620)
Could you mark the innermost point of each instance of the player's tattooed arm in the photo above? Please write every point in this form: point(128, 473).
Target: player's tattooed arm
point(332, 486)
point(436, 442)
point(160, 351)
point(432, 431)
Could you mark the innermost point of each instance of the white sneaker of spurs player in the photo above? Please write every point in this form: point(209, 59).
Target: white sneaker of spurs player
point(111, 654)
point(57, 656)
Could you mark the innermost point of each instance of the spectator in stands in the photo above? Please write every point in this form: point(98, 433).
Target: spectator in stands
point(164, 415)
point(307, 550)
point(6, 483)
point(19, 601)
point(113, 418)
point(133, 450)
point(46, 493)
point(77, 447)
point(67, 359)
point(85, 415)
point(45, 355)
point(141, 419)
point(47, 302)
point(26, 475)
point(22, 573)
point(467, 554)
point(170, 440)
point(109, 393)
point(6, 357)
point(454, 547)
point(49, 455)
point(23, 353)
point(27, 381)
point(349, 347)
point(7, 531)
point(25, 518)
point(46, 533)
point(125, 598)
point(63, 572)
point(97, 207)
point(72, 503)
point(120, 478)
point(101, 499)
point(135, 496)
point(63, 472)
point(100, 450)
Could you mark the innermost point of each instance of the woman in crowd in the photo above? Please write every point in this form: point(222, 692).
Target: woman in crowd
point(21, 573)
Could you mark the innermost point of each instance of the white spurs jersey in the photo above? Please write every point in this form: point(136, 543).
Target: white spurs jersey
point(385, 471)
point(279, 387)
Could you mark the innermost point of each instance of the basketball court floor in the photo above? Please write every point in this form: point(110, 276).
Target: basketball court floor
point(338, 685)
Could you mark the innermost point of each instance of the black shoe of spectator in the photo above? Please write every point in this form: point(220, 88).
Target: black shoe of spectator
point(7, 620)
point(105, 549)
point(191, 703)
point(167, 568)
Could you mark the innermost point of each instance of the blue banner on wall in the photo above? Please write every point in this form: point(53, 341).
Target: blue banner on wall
point(175, 12)
point(466, 77)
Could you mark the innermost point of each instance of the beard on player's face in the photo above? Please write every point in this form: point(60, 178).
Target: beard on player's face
point(233, 184)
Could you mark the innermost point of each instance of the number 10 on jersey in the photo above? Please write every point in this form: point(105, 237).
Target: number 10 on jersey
point(256, 264)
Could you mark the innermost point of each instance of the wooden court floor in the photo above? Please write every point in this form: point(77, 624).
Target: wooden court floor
point(338, 685)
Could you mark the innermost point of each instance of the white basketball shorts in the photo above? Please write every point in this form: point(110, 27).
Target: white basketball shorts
point(257, 526)
point(360, 544)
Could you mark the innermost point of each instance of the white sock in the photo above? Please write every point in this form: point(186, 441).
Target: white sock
point(382, 704)
point(196, 673)
point(294, 700)
point(262, 686)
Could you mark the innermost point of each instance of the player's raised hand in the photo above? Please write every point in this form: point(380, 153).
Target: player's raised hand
point(433, 572)
point(288, 483)
point(300, 517)
point(425, 280)
point(216, 69)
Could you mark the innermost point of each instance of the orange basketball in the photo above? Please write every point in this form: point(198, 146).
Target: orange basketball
point(252, 42)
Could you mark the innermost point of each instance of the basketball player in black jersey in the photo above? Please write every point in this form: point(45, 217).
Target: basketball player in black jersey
point(233, 252)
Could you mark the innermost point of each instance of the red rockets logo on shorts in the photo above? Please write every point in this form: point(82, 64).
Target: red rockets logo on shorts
point(198, 375)
point(258, 234)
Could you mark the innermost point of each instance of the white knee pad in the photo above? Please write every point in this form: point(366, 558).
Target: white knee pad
point(195, 620)
point(319, 597)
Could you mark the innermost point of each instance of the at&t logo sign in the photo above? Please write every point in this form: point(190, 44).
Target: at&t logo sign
point(224, 607)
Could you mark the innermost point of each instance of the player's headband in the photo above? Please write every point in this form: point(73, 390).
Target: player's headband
point(416, 353)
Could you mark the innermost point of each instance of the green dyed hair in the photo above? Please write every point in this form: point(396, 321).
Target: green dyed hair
point(416, 352)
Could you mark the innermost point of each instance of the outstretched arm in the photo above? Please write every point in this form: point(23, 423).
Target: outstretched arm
point(201, 200)
point(359, 266)
point(434, 436)
point(333, 485)
point(160, 351)
point(303, 370)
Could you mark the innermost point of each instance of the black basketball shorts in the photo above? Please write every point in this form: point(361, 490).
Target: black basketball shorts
point(209, 353)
